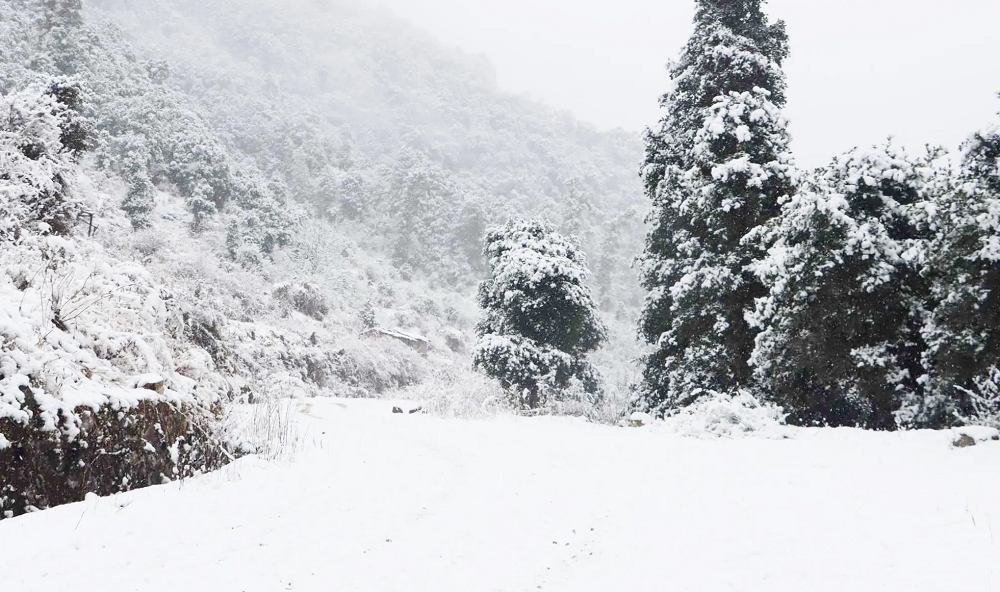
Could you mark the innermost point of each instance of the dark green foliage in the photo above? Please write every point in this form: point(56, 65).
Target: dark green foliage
point(138, 202)
point(61, 37)
point(263, 221)
point(353, 195)
point(963, 267)
point(420, 197)
point(840, 342)
point(716, 169)
point(77, 128)
point(539, 319)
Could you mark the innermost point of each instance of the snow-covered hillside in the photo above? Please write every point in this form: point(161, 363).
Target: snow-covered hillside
point(378, 501)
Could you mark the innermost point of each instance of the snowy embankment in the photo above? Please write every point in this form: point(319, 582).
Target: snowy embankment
point(380, 501)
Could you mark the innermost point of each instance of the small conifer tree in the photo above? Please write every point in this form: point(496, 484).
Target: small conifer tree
point(539, 318)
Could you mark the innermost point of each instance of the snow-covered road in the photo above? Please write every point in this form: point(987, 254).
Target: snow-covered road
point(381, 502)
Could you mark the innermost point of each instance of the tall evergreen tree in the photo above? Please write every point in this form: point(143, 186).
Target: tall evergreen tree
point(840, 341)
point(61, 31)
point(539, 318)
point(963, 332)
point(421, 195)
point(132, 161)
point(716, 169)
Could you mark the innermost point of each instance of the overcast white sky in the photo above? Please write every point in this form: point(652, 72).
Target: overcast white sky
point(921, 70)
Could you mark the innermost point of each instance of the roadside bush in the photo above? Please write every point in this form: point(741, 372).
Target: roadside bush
point(729, 415)
point(305, 298)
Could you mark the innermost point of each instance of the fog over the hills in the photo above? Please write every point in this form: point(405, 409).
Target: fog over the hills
point(921, 71)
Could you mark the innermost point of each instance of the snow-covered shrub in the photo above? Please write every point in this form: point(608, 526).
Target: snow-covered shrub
point(576, 399)
point(35, 163)
point(367, 315)
point(265, 427)
point(262, 220)
point(455, 340)
point(539, 318)
point(454, 392)
point(983, 400)
point(266, 359)
point(148, 242)
point(617, 399)
point(204, 330)
point(353, 196)
point(304, 297)
point(365, 367)
point(130, 155)
point(729, 415)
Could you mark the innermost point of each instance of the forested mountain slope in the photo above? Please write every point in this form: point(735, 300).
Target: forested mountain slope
point(364, 118)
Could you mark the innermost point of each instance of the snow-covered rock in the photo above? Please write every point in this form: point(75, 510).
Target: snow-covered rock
point(971, 435)
point(639, 419)
point(151, 382)
point(406, 407)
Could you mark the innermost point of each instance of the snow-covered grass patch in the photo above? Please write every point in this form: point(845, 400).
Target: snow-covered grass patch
point(267, 428)
point(458, 392)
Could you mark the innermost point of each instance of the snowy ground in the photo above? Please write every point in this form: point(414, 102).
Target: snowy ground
point(381, 502)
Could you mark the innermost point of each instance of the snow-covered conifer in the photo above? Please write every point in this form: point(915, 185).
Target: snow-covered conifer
point(963, 332)
point(539, 318)
point(61, 31)
point(716, 169)
point(262, 220)
point(129, 155)
point(139, 200)
point(840, 327)
point(75, 123)
point(421, 194)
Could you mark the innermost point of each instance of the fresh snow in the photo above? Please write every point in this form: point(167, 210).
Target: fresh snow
point(376, 501)
point(147, 380)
